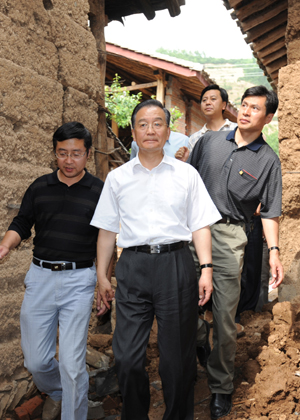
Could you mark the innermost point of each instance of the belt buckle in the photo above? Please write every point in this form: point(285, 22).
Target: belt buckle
point(154, 249)
point(58, 267)
point(227, 220)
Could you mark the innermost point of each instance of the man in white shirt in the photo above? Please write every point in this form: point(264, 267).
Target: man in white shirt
point(213, 102)
point(161, 205)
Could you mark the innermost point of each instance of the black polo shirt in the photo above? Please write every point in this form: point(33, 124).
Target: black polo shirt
point(239, 178)
point(61, 216)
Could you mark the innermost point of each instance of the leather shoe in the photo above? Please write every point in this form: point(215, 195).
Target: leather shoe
point(51, 409)
point(203, 352)
point(220, 405)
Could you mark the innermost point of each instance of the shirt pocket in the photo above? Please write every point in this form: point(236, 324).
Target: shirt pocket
point(244, 186)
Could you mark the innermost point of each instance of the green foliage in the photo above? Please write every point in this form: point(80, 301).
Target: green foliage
point(252, 73)
point(271, 135)
point(120, 103)
point(198, 57)
point(175, 115)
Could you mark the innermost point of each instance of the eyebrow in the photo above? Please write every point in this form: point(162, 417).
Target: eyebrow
point(247, 103)
point(144, 119)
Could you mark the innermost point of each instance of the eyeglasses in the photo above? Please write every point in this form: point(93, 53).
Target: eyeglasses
point(156, 126)
point(73, 155)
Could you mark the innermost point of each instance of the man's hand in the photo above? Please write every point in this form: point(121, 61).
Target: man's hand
point(182, 154)
point(105, 295)
point(4, 250)
point(205, 286)
point(276, 269)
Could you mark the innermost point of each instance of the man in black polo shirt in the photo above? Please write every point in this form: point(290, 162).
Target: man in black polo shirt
point(239, 171)
point(61, 280)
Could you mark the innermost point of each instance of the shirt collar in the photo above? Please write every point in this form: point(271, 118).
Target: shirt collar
point(227, 123)
point(86, 180)
point(254, 145)
point(165, 160)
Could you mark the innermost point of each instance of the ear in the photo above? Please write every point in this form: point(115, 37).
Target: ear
point(224, 105)
point(169, 133)
point(269, 118)
point(133, 134)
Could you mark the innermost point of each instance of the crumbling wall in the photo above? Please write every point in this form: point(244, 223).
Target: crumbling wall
point(48, 75)
point(289, 137)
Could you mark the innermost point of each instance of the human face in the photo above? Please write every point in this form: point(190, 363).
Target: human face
point(151, 139)
point(252, 114)
point(212, 104)
point(71, 170)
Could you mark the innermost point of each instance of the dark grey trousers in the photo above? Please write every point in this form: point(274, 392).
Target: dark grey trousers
point(162, 285)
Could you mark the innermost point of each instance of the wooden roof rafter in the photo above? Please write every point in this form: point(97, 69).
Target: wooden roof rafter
point(118, 9)
point(264, 24)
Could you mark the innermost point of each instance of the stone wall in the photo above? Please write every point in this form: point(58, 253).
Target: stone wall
point(48, 75)
point(289, 137)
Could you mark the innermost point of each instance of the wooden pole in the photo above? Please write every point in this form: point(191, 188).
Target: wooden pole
point(97, 21)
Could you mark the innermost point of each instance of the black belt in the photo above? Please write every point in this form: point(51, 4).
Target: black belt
point(229, 221)
point(158, 249)
point(62, 266)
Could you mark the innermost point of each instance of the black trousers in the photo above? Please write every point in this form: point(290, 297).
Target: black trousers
point(251, 274)
point(164, 285)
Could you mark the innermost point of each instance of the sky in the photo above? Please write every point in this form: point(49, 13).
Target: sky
point(203, 25)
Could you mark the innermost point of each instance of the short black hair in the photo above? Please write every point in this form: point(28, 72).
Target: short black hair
point(223, 93)
point(73, 130)
point(270, 95)
point(148, 103)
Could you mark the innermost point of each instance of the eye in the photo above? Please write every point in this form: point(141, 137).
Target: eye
point(62, 154)
point(76, 154)
point(143, 126)
point(157, 125)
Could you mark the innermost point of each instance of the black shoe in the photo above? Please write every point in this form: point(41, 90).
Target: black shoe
point(220, 405)
point(203, 352)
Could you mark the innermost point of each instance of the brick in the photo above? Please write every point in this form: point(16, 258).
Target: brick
point(22, 414)
point(34, 407)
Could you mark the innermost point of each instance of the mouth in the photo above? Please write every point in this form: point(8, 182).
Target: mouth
point(243, 121)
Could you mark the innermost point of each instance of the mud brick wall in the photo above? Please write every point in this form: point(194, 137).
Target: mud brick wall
point(192, 120)
point(289, 137)
point(48, 75)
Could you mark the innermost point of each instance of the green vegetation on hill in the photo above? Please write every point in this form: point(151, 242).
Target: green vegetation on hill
point(252, 73)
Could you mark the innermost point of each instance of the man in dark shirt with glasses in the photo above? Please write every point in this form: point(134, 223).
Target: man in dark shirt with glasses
point(61, 280)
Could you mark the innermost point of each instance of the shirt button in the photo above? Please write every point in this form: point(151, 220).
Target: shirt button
point(230, 160)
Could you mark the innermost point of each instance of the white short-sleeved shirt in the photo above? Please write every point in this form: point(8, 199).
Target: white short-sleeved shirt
point(160, 206)
point(227, 126)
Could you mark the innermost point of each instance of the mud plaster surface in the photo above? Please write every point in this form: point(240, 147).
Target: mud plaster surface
point(266, 369)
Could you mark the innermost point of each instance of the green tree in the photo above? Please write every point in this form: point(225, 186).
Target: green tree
point(120, 102)
point(175, 115)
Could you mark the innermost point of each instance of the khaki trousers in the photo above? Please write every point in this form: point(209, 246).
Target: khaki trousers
point(228, 245)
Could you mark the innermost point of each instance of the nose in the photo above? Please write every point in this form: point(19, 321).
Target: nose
point(246, 110)
point(69, 158)
point(150, 128)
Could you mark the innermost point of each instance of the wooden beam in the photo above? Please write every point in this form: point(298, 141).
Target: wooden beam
point(276, 65)
point(247, 10)
point(160, 90)
point(138, 87)
point(270, 37)
point(275, 56)
point(97, 22)
point(277, 45)
point(262, 29)
point(263, 17)
point(115, 128)
point(174, 8)
point(234, 3)
point(146, 8)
